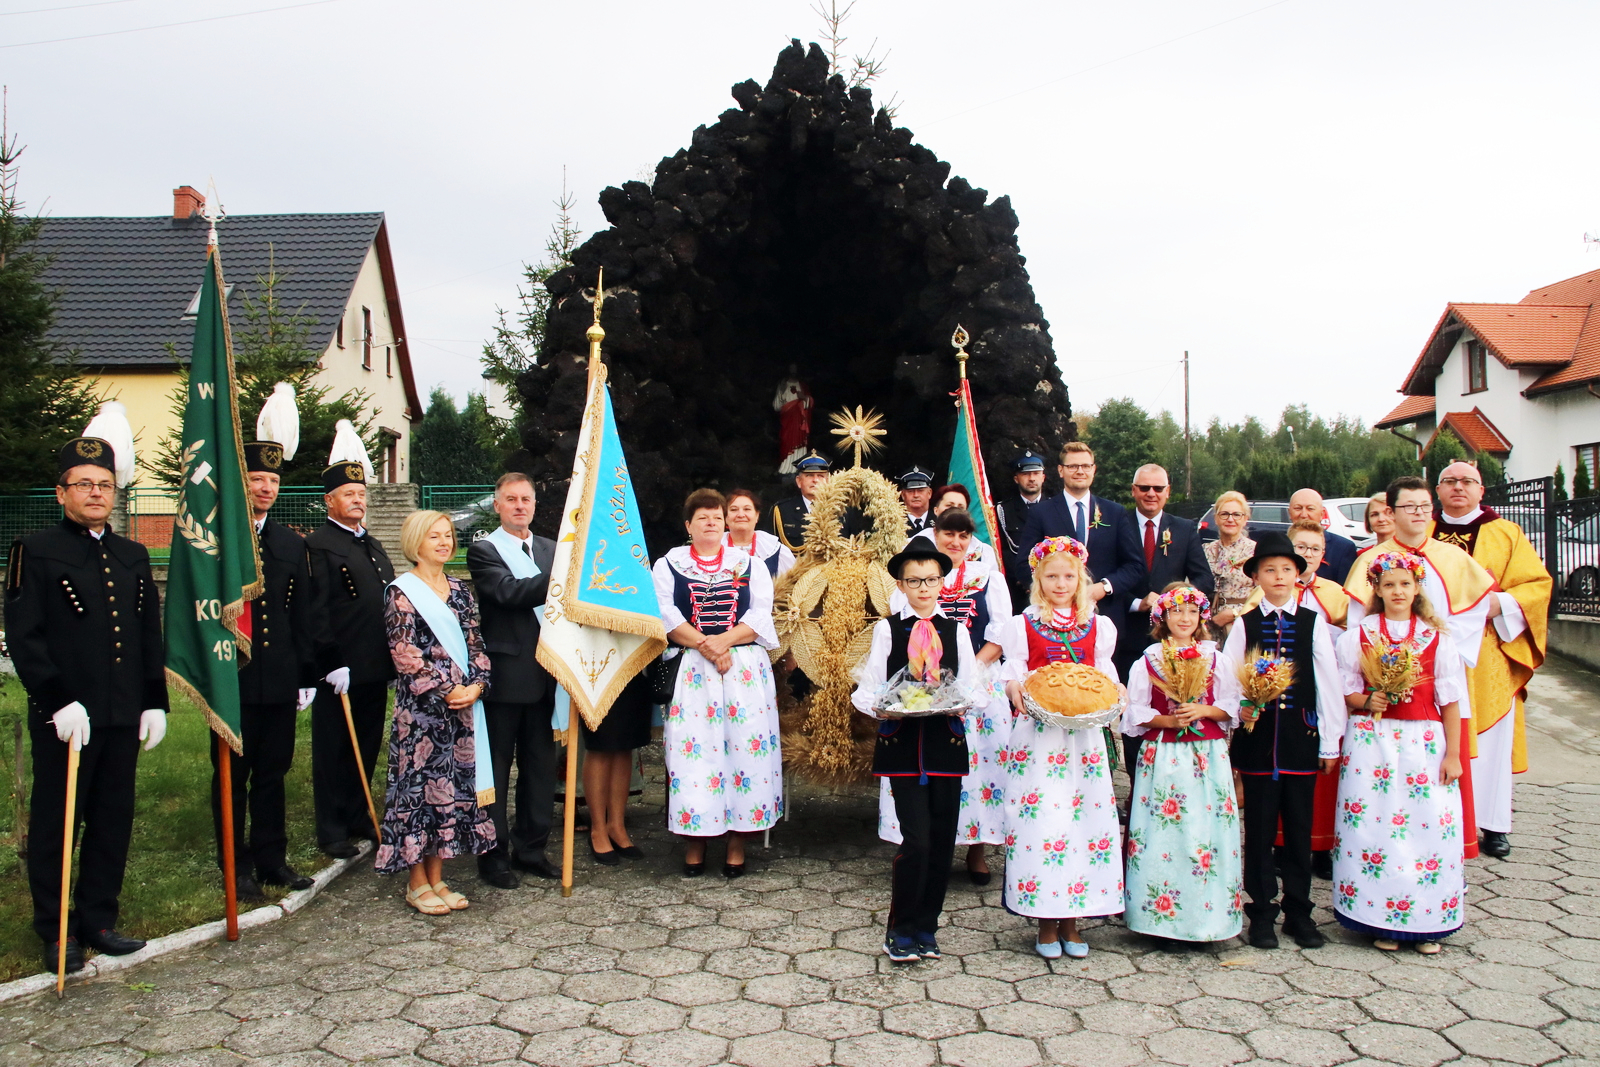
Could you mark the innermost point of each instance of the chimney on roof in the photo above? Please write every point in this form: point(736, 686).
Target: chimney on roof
point(187, 202)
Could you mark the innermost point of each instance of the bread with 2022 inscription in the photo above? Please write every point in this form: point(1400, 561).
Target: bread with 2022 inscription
point(1071, 689)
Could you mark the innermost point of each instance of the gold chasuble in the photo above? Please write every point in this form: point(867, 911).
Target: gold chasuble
point(1498, 683)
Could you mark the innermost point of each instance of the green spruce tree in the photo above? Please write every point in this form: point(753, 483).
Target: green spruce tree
point(453, 447)
point(1122, 437)
point(1582, 485)
point(1561, 485)
point(44, 402)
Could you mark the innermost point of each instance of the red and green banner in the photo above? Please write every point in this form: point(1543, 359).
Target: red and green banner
point(966, 468)
point(215, 567)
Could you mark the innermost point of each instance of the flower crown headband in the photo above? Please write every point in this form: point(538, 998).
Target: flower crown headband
point(1395, 561)
point(1051, 545)
point(1185, 595)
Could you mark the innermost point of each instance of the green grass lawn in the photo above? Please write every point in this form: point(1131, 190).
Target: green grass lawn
point(172, 880)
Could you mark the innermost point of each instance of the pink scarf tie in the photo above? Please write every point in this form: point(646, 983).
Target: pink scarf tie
point(924, 650)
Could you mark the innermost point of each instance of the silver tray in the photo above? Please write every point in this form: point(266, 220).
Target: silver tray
point(1093, 721)
point(895, 711)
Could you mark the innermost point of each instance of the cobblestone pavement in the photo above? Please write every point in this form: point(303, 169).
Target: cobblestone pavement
point(784, 967)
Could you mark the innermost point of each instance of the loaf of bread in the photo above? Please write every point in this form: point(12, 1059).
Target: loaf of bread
point(1071, 689)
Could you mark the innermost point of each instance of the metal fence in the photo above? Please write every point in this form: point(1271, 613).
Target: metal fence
point(1566, 535)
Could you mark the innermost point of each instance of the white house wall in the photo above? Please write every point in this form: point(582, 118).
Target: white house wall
point(342, 367)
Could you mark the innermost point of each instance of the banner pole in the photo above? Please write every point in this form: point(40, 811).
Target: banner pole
point(366, 787)
point(66, 864)
point(569, 813)
point(230, 885)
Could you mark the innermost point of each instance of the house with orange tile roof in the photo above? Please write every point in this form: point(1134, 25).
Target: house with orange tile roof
point(1519, 382)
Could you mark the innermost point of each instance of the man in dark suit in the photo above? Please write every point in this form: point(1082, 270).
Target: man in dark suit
point(511, 572)
point(1170, 551)
point(349, 572)
point(1114, 559)
point(274, 685)
point(1027, 471)
point(1306, 506)
point(916, 493)
point(787, 519)
point(84, 621)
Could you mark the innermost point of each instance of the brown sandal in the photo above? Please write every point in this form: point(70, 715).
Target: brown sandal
point(419, 898)
point(453, 900)
point(1429, 948)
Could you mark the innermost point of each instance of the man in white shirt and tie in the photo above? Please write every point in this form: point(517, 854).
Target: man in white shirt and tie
point(1115, 562)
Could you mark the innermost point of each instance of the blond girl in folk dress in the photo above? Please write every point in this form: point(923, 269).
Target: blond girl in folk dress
point(1184, 866)
point(1063, 844)
point(1398, 869)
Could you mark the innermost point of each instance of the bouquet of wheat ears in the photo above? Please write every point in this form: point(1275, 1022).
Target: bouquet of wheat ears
point(1185, 676)
point(1393, 670)
point(1263, 677)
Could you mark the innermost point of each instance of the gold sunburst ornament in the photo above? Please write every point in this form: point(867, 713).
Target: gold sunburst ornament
point(858, 430)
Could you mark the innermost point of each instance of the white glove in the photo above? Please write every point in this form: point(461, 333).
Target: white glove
point(306, 697)
point(340, 680)
point(152, 727)
point(72, 724)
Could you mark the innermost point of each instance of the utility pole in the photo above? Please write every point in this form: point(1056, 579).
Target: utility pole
point(1188, 443)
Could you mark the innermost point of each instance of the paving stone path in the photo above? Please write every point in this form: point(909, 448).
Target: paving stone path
point(784, 968)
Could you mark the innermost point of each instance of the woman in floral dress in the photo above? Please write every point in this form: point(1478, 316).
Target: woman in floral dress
point(431, 811)
point(1063, 844)
point(724, 767)
point(1226, 555)
point(1184, 867)
point(976, 595)
point(1398, 869)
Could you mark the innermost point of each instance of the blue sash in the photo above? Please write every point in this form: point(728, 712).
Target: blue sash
point(447, 630)
point(521, 565)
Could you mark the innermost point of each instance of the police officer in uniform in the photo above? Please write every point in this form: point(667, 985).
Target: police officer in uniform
point(1027, 471)
point(916, 492)
point(787, 519)
point(83, 619)
point(274, 685)
point(349, 571)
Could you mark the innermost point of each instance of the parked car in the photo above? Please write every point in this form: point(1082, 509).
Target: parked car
point(475, 521)
point(1578, 557)
point(1347, 516)
point(1264, 515)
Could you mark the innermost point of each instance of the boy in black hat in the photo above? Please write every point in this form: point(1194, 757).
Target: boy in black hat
point(924, 758)
point(1294, 739)
point(84, 621)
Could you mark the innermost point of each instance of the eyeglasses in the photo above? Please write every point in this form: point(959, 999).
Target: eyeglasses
point(1451, 483)
point(1077, 468)
point(89, 487)
point(1148, 488)
point(922, 583)
point(1230, 514)
point(1415, 509)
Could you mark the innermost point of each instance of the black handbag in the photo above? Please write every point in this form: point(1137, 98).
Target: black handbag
point(663, 674)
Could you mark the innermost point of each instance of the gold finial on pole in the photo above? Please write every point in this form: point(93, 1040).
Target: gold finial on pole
point(595, 333)
point(958, 341)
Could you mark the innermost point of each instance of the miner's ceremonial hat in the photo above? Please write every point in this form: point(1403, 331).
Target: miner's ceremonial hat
point(1028, 461)
point(915, 478)
point(86, 450)
point(265, 457)
point(813, 464)
point(337, 474)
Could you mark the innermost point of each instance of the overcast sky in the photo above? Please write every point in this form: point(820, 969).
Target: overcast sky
point(1291, 190)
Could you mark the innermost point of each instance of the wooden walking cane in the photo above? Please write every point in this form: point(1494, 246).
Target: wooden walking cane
point(66, 863)
point(366, 788)
point(570, 808)
point(230, 887)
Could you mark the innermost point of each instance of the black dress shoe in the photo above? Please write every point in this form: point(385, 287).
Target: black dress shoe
point(1262, 935)
point(732, 870)
point(285, 876)
point(248, 889)
point(112, 943)
point(1305, 934)
point(498, 874)
point(605, 859)
point(341, 850)
point(979, 877)
point(1322, 865)
point(539, 865)
point(694, 870)
point(632, 852)
point(52, 956)
point(1495, 844)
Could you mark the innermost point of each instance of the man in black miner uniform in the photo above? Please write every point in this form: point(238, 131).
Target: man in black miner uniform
point(521, 693)
point(916, 493)
point(1027, 471)
point(349, 570)
point(83, 619)
point(787, 519)
point(276, 682)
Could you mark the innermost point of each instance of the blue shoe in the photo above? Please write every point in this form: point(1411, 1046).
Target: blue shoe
point(1050, 950)
point(927, 947)
point(900, 949)
point(1076, 949)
